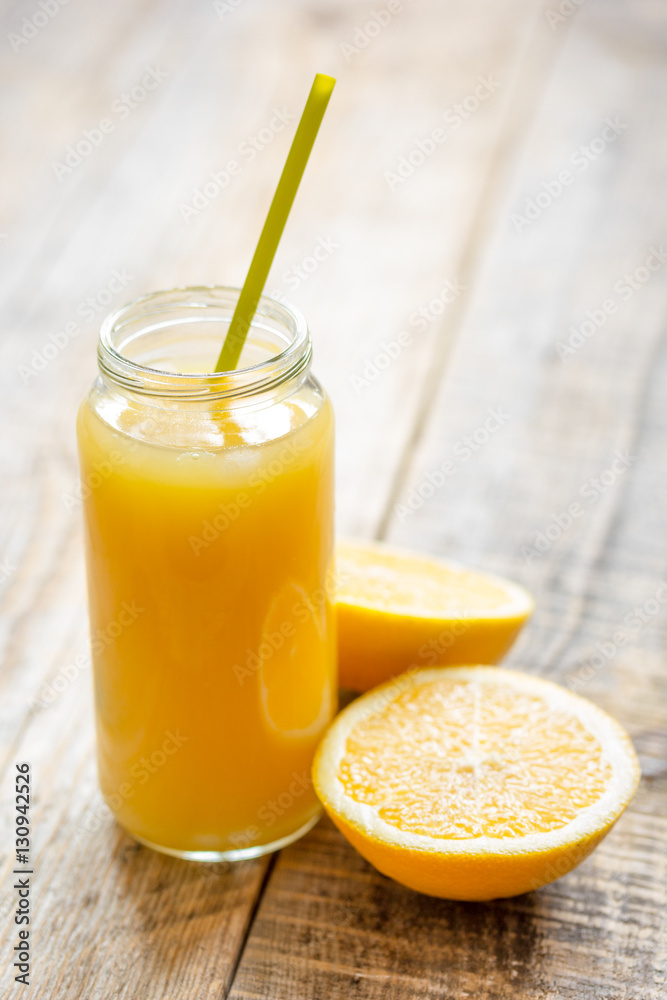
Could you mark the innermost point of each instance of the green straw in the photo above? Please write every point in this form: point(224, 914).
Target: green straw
point(288, 186)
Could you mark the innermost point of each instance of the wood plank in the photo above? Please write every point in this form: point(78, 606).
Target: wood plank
point(119, 210)
point(106, 913)
point(365, 292)
point(105, 910)
point(147, 236)
point(329, 925)
point(338, 926)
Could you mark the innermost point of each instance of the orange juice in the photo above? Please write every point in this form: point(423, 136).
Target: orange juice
point(209, 532)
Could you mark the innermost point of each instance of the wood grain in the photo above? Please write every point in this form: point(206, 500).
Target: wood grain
point(113, 920)
point(330, 925)
point(598, 932)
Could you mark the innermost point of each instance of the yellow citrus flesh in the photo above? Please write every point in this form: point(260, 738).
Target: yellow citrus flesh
point(398, 610)
point(475, 782)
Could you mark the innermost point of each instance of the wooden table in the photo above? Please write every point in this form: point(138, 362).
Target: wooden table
point(490, 179)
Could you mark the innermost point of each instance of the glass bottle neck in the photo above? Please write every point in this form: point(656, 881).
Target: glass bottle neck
point(166, 345)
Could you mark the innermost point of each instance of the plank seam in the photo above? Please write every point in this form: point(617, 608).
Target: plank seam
point(251, 921)
point(539, 63)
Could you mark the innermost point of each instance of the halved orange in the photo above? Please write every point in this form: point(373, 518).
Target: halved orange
point(399, 610)
point(474, 782)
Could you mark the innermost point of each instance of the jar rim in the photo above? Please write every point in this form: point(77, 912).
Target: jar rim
point(264, 376)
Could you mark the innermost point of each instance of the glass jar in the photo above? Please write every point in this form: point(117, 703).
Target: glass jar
point(209, 539)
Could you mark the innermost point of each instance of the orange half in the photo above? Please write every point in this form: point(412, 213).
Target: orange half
point(474, 782)
point(399, 610)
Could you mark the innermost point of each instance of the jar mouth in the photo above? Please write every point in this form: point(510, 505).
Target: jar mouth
point(144, 343)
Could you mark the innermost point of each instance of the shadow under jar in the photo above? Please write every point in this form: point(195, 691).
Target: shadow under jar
point(208, 502)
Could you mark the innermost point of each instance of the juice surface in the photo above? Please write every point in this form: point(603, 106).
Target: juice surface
point(209, 545)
